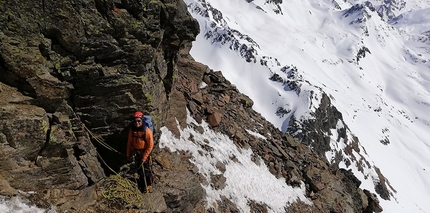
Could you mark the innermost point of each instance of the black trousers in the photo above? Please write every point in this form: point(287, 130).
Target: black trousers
point(144, 171)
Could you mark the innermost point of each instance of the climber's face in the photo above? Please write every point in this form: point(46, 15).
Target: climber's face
point(138, 122)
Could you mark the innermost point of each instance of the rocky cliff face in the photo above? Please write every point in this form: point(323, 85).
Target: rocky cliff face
point(69, 66)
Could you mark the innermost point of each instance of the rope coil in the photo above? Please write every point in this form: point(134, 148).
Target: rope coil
point(118, 188)
point(122, 190)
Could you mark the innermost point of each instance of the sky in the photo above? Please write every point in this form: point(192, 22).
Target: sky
point(385, 95)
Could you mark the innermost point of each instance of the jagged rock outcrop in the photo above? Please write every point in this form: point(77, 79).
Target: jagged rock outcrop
point(331, 189)
point(41, 152)
point(66, 66)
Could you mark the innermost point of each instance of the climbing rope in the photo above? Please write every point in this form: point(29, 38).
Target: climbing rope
point(118, 188)
point(146, 184)
point(104, 162)
point(100, 141)
point(121, 189)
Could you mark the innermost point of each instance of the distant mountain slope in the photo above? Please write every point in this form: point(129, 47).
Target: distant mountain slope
point(348, 78)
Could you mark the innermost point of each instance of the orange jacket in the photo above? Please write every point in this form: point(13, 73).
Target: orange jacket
point(136, 141)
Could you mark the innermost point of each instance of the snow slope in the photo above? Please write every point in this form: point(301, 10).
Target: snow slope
point(376, 72)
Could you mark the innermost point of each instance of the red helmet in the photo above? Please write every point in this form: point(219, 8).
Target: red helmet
point(138, 114)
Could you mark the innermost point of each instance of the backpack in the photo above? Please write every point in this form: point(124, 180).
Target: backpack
point(147, 122)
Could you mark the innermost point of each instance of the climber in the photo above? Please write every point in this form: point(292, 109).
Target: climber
point(139, 147)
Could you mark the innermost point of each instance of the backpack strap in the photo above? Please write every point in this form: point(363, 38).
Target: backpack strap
point(144, 126)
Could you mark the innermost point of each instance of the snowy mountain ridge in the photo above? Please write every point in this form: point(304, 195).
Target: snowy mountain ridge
point(372, 66)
